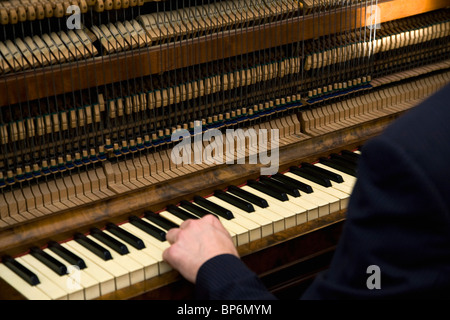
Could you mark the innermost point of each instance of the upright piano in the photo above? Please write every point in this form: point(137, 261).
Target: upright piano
point(119, 119)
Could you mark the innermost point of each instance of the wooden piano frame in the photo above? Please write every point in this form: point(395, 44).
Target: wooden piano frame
point(291, 257)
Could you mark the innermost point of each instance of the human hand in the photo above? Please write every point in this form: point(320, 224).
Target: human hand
point(194, 243)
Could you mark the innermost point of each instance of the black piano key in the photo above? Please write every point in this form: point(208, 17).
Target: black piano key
point(19, 269)
point(160, 221)
point(324, 173)
point(199, 211)
point(350, 154)
point(318, 177)
point(350, 163)
point(333, 163)
point(268, 190)
point(67, 255)
point(129, 238)
point(55, 265)
point(348, 158)
point(148, 228)
point(307, 174)
point(109, 241)
point(235, 201)
point(215, 208)
point(260, 202)
point(293, 183)
point(278, 185)
point(180, 213)
point(92, 246)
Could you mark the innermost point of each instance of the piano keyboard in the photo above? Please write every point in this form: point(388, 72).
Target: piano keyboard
point(98, 263)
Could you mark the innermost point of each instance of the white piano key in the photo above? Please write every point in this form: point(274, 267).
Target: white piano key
point(348, 179)
point(153, 249)
point(242, 234)
point(121, 276)
point(341, 187)
point(256, 216)
point(333, 202)
point(253, 228)
point(90, 286)
point(28, 291)
point(171, 217)
point(103, 277)
point(318, 207)
point(320, 197)
point(135, 270)
point(276, 220)
point(46, 285)
point(72, 292)
point(284, 208)
point(330, 190)
point(274, 207)
point(148, 262)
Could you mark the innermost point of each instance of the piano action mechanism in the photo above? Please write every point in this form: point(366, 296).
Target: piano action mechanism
point(93, 91)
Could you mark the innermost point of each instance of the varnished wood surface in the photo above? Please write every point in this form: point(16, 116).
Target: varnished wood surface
point(58, 79)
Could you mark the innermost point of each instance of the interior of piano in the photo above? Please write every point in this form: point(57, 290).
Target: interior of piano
point(87, 114)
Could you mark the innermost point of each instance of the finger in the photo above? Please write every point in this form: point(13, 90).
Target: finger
point(166, 255)
point(211, 219)
point(185, 223)
point(215, 222)
point(172, 235)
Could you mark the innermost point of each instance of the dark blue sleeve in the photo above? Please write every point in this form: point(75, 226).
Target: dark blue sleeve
point(397, 222)
point(226, 277)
